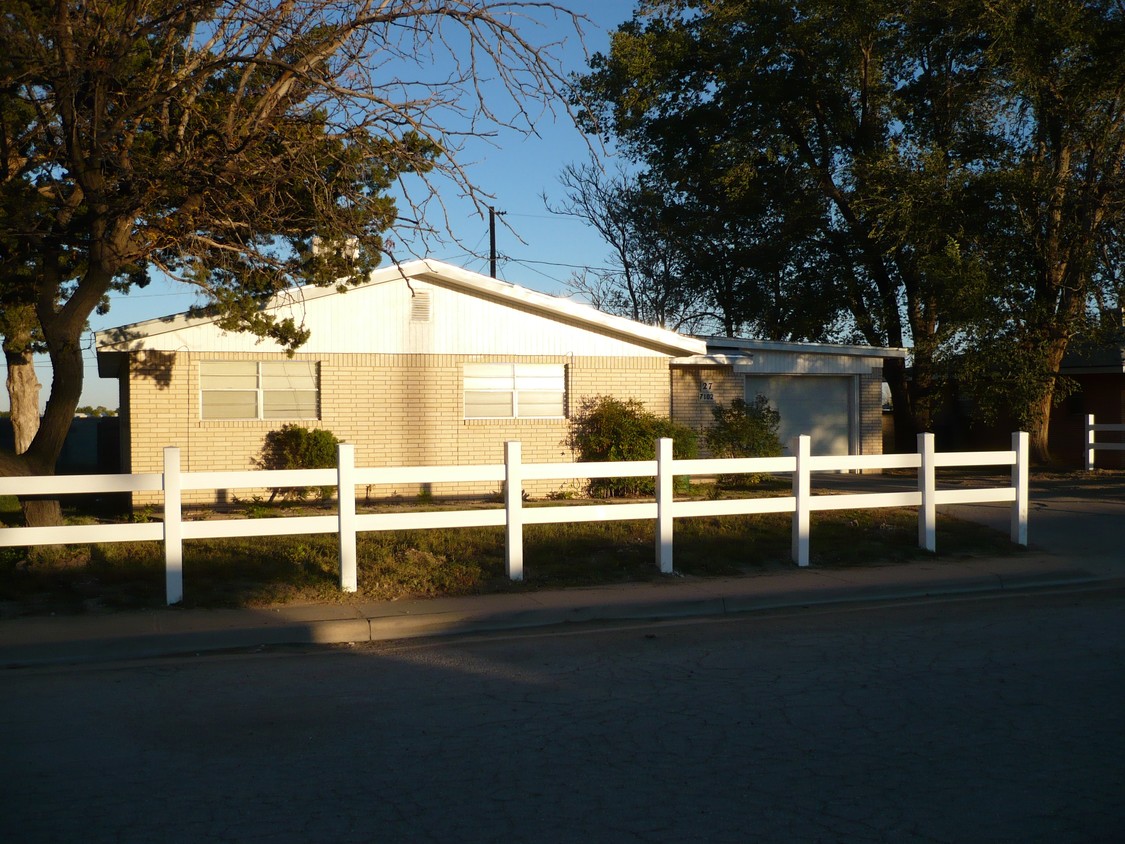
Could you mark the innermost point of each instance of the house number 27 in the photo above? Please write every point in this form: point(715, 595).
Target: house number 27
point(706, 390)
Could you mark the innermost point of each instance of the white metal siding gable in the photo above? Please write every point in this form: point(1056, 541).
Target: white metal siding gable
point(419, 318)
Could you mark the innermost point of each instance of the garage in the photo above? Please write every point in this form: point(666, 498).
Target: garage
point(821, 406)
point(831, 392)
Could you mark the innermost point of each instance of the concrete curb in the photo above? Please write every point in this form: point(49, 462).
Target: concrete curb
point(32, 642)
point(654, 611)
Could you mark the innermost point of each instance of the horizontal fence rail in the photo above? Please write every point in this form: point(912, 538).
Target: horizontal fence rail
point(513, 514)
point(1093, 445)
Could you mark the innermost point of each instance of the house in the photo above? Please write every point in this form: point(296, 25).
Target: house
point(427, 363)
point(1097, 374)
point(1100, 377)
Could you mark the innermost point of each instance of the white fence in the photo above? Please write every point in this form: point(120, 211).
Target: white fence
point(1093, 445)
point(514, 515)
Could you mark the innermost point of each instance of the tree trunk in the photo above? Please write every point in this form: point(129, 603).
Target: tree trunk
point(41, 512)
point(894, 373)
point(62, 332)
point(1040, 424)
point(1039, 421)
point(23, 399)
point(923, 392)
point(23, 393)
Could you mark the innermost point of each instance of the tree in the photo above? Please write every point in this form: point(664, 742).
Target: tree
point(1109, 285)
point(211, 140)
point(644, 281)
point(99, 412)
point(19, 331)
point(839, 123)
point(1063, 188)
point(687, 262)
point(959, 162)
point(16, 327)
point(744, 429)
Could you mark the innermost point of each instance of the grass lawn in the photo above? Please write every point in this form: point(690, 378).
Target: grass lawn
point(262, 571)
point(10, 515)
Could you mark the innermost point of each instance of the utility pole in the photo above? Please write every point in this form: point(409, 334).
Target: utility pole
point(492, 215)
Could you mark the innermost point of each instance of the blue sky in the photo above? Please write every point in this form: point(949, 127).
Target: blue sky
point(515, 169)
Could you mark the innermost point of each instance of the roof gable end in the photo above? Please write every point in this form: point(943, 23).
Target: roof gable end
point(440, 275)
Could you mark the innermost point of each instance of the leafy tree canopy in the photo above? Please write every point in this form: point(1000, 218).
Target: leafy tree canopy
point(939, 171)
point(220, 141)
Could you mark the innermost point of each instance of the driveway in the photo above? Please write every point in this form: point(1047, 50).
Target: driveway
point(1074, 515)
point(1077, 517)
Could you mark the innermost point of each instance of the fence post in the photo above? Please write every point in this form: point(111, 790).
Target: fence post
point(513, 510)
point(173, 528)
point(1090, 442)
point(664, 501)
point(345, 491)
point(1021, 446)
point(927, 485)
point(802, 489)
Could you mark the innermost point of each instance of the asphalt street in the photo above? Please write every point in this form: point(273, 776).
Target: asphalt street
point(981, 719)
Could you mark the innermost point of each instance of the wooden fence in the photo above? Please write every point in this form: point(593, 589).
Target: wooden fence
point(513, 515)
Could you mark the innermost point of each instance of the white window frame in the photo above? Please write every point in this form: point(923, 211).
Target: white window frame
point(518, 375)
point(260, 391)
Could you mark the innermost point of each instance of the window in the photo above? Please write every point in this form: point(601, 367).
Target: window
point(515, 391)
point(247, 389)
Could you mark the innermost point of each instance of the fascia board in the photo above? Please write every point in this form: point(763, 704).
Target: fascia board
point(807, 348)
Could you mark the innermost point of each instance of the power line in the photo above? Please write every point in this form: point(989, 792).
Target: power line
point(569, 217)
point(519, 263)
point(565, 266)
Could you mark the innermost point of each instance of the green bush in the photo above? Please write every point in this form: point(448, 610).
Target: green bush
point(297, 447)
point(744, 430)
point(607, 429)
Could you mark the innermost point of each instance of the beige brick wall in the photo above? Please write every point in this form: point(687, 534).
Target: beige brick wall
point(871, 413)
point(401, 410)
point(697, 389)
point(398, 410)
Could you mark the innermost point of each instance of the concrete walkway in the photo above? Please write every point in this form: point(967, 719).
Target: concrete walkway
point(1075, 541)
point(150, 633)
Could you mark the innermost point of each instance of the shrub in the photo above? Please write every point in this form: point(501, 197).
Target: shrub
point(744, 430)
point(296, 447)
point(608, 429)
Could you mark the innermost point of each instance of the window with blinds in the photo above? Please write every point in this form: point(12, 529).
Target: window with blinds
point(515, 391)
point(246, 389)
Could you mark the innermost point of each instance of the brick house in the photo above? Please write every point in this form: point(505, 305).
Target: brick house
point(427, 363)
point(1100, 377)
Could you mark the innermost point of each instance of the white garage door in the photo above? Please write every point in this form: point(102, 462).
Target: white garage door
point(817, 405)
